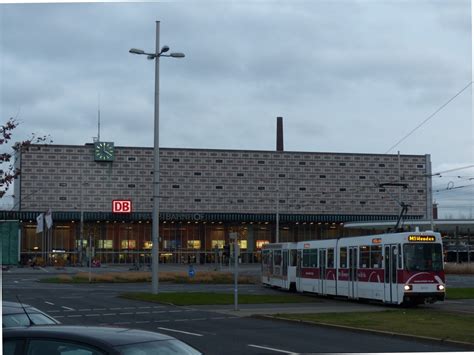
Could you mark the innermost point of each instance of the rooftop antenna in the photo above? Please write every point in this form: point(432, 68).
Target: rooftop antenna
point(24, 310)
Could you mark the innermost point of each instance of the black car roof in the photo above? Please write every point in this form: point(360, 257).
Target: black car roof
point(92, 335)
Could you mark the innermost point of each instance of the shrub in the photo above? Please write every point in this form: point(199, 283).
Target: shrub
point(453, 268)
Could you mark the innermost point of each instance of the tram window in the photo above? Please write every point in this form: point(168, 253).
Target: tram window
point(423, 257)
point(293, 257)
point(313, 259)
point(306, 258)
point(277, 257)
point(310, 258)
point(376, 256)
point(330, 258)
point(364, 256)
point(343, 257)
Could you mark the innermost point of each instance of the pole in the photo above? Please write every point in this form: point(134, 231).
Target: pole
point(81, 228)
point(277, 239)
point(156, 172)
point(90, 256)
point(236, 275)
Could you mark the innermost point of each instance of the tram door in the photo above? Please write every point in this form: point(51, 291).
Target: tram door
point(390, 277)
point(285, 269)
point(352, 291)
point(322, 271)
point(299, 263)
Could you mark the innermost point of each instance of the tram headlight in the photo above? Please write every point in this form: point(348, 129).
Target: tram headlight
point(408, 287)
point(441, 288)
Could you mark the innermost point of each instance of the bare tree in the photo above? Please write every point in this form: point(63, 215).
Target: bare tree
point(8, 171)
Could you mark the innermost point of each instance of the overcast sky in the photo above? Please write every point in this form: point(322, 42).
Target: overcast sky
point(347, 76)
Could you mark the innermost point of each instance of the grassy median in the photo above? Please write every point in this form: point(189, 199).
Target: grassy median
point(211, 298)
point(459, 293)
point(206, 277)
point(418, 322)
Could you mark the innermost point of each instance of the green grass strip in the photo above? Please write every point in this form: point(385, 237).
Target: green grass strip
point(418, 322)
point(210, 298)
point(459, 293)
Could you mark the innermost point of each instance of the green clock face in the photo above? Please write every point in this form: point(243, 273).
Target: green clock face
point(104, 151)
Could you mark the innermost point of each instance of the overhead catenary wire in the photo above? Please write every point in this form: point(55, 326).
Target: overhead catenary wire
point(429, 117)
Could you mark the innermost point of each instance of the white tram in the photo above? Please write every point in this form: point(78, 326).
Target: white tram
point(392, 268)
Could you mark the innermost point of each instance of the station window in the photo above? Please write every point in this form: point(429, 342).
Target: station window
point(322, 176)
point(175, 186)
point(197, 173)
point(176, 160)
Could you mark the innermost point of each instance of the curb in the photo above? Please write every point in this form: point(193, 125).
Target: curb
point(467, 346)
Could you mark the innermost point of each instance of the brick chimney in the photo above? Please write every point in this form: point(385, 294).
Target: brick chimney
point(279, 145)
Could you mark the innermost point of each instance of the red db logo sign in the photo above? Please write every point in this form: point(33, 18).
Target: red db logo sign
point(122, 206)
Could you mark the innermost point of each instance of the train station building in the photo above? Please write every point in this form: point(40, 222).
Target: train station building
point(100, 195)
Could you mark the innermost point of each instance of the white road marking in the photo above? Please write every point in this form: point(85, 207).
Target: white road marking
point(142, 321)
point(181, 320)
point(180, 331)
point(85, 309)
point(271, 349)
point(15, 282)
point(69, 309)
point(126, 313)
point(161, 320)
point(99, 309)
point(144, 307)
point(73, 316)
point(109, 314)
point(51, 303)
point(93, 315)
point(44, 269)
point(142, 312)
point(198, 319)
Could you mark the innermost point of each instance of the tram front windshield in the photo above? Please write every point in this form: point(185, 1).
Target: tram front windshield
point(423, 257)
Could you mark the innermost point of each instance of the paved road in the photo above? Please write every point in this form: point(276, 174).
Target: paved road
point(215, 330)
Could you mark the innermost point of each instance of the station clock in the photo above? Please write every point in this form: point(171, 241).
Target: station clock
point(104, 151)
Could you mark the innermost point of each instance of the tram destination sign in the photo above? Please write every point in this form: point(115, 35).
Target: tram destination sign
point(421, 238)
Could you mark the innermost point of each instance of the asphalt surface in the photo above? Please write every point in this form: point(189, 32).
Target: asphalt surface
point(213, 329)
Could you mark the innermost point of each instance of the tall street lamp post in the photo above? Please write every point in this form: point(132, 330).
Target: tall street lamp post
point(156, 153)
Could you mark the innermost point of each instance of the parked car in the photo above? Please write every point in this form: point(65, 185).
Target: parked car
point(84, 340)
point(20, 315)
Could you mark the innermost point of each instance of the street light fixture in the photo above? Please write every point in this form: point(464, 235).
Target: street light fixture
point(156, 153)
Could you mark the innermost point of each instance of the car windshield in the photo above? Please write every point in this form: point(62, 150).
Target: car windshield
point(163, 347)
point(423, 257)
point(21, 320)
